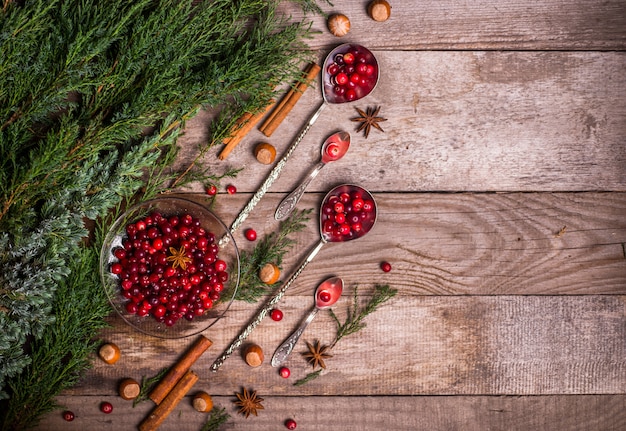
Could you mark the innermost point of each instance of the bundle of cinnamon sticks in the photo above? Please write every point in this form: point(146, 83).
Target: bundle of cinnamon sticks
point(247, 121)
point(174, 385)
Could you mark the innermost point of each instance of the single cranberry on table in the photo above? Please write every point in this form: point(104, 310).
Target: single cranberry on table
point(211, 190)
point(284, 372)
point(276, 315)
point(250, 234)
point(231, 189)
point(106, 407)
point(290, 424)
point(385, 266)
point(68, 415)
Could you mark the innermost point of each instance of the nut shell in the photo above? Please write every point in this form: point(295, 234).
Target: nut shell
point(269, 274)
point(265, 153)
point(254, 355)
point(202, 402)
point(338, 24)
point(379, 10)
point(129, 389)
point(109, 353)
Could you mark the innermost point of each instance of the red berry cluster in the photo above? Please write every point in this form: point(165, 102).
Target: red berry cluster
point(347, 215)
point(168, 268)
point(353, 74)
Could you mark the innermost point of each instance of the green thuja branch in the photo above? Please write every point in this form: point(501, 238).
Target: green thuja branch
point(271, 249)
point(147, 384)
point(217, 417)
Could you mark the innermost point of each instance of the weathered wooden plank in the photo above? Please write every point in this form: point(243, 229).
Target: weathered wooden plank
point(504, 24)
point(461, 121)
point(444, 413)
point(517, 243)
point(413, 345)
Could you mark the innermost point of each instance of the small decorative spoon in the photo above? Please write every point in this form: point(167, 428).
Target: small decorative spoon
point(333, 149)
point(326, 295)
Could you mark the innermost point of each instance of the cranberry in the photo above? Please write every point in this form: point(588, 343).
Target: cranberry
point(290, 424)
point(250, 234)
point(276, 315)
point(231, 189)
point(324, 296)
point(106, 407)
point(348, 58)
point(341, 78)
point(68, 416)
point(385, 266)
point(284, 372)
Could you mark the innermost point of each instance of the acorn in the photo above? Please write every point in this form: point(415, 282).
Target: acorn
point(338, 24)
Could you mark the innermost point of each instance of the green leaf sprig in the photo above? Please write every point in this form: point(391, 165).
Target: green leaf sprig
point(217, 418)
point(354, 320)
point(271, 249)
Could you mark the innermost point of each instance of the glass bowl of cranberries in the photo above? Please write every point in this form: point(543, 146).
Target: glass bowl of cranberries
point(170, 267)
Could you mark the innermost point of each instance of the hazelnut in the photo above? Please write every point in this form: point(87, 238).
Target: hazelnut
point(202, 402)
point(109, 353)
point(269, 273)
point(129, 389)
point(379, 10)
point(265, 153)
point(254, 355)
point(338, 24)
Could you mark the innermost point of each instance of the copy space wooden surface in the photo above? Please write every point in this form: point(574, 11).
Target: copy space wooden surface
point(501, 186)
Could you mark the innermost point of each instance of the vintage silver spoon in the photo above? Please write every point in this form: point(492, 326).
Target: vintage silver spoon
point(330, 231)
point(333, 149)
point(326, 295)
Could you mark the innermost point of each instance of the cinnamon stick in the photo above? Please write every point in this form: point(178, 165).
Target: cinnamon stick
point(162, 411)
point(175, 373)
point(242, 127)
point(288, 101)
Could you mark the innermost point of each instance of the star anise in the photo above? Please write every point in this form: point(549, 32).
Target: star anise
point(178, 258)
point(248, 402)
point(368, 119)
point(316, 354)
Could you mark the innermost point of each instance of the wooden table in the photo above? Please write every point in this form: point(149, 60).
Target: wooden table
point(501, 185)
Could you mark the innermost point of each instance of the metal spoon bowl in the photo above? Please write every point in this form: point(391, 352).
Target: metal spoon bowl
point(326, 295)
point(333, 149)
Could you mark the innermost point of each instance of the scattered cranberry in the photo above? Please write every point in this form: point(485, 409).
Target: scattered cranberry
point(290, 424)
point(250, 234)
point(211, 190)
point(276, 315)
point(68, 416)
point(284, 372)
point(231, 189)
point(106, 407)
point(385, 266)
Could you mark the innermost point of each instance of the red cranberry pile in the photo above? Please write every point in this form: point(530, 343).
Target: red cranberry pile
point(347, 214)
point(353, 74)
point(168, 267)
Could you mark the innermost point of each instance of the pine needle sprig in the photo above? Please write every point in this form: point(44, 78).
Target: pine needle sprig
point(355, 316)
point(217, 417)
point(271, 249)
point(147, 384)
point(306, 379)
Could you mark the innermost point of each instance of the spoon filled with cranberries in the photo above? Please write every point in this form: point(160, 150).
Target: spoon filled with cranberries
point(347, 212)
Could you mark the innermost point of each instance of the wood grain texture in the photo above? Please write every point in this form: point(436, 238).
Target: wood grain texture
point(491, 24)
point(443, 413)
point(460, 121)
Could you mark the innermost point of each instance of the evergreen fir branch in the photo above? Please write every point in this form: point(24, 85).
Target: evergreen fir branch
point(147, 384)
point(356, 315)
point(271, 249)
point(217, 417)
point(306, 379)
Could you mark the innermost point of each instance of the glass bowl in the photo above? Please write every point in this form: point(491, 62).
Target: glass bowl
point(163, 278)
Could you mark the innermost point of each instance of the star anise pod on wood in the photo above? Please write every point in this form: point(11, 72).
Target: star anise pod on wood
point(316, 354)
point(178, 258)
point(368, 119)
point(248, 402)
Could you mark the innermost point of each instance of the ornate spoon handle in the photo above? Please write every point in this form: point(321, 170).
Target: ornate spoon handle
point(284, 350)
point(272, 176)
point(288, 204)
point(265, 310)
